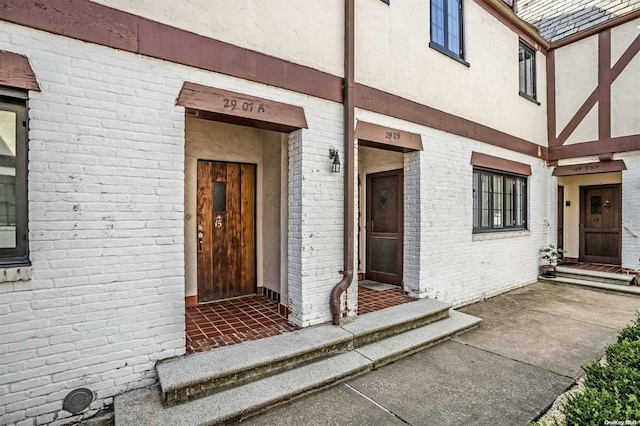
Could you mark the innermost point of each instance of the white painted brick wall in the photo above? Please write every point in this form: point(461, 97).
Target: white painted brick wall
point(453, 267)
point(631, 210)
point(106, 195)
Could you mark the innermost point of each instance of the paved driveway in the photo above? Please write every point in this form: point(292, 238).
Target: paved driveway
point(527, 351)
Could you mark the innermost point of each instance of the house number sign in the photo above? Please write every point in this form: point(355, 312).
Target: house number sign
point(246, 106)
point(218, 222)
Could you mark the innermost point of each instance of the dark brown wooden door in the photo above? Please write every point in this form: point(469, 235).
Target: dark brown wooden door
point(226, 230)
point(385, 227)
point(600, 223)
point(560, 236)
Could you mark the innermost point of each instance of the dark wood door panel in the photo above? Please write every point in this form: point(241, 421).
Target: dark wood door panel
point(385, 227)
point(600, 224)
point(226, 219)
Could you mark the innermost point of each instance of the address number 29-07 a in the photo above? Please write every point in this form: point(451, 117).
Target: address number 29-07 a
point(245, 106)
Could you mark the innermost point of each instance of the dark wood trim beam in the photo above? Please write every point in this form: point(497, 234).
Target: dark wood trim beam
point(381, 102)
point(376, 136)
point(238, 108)
point(551, 99)
point(590, 168)
point(16, 72)
point(604, 84)
point(616, 70)
point(95, 23)
point(619, 144)
point(496, 163)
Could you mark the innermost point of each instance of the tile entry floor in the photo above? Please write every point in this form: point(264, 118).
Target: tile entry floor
point(373, 300)
point(230, 321)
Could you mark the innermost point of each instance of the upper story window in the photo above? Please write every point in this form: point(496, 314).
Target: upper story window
point(527, 71)
point(447, 28)
point(13, 178)
point(499, 201)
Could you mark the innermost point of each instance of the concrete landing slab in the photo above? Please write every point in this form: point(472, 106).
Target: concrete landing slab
point(202, 371)
point(336, 406)
point(593, 284)
point(144, 407)
point(454, 384)
point(379, 324)
point(394, 347)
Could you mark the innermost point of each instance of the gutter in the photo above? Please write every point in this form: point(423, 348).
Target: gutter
point(349, 148)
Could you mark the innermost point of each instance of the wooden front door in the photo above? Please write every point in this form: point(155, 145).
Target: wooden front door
point(226, 230)
point(600, 223)
point(385, 227)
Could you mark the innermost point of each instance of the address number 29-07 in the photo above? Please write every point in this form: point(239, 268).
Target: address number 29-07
point(245, 106)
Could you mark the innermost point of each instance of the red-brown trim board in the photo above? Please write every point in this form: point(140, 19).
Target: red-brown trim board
point(496, 163)
point(16, 72)
point(95, 23)
point(590, 168)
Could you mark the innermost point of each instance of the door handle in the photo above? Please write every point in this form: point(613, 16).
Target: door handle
point(200, 238)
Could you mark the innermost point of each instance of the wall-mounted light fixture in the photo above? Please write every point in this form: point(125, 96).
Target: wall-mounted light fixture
point(335, 165)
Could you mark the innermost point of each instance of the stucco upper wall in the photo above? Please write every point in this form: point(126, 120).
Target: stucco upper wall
point(577, 77)
point(393, 55)
point(309, 33)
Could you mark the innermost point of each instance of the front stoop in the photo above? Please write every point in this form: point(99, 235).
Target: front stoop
point(623, 283)
point(234, 382)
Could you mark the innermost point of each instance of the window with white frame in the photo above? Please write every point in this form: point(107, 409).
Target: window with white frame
point(13, 178)
point(499, 201)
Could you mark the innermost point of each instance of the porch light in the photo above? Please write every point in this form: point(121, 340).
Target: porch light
point(335, 165)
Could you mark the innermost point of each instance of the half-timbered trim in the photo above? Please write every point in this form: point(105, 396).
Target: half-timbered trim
point(385, 103)
point(619, 144)
point(375, 136)
point(551, 99)
point(16, 72)
point(599, 92)
point(237, 108)
point(604, 87)
point(590, 168)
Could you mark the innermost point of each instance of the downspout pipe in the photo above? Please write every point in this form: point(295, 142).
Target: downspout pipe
point(349, 148)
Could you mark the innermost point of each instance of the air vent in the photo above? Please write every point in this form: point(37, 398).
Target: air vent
point(77, 400)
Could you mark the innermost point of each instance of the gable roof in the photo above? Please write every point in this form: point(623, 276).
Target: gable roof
point(557, 19)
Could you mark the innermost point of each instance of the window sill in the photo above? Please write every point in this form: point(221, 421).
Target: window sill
point(500, 235)
point(15, 273)
point(449, 54)
point(529, 98)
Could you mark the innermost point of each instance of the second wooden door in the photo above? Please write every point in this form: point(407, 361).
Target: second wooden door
point(600, 224)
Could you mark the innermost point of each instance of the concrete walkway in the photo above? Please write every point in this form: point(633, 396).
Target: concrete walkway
point(527, 351)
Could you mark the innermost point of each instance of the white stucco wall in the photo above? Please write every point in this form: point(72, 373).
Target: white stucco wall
point(393, 54)
point(300, 31)
point(625, 91)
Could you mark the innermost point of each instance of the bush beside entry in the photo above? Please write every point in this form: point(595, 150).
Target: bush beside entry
point(550, 255)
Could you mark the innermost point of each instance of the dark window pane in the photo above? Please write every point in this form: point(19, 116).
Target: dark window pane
point(453, 15)
point(219, 197)
point(499, 201)
point(596, 204)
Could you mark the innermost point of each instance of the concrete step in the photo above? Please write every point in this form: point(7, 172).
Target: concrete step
point(592, 284)
point(145, 407)
point(193, 376)
point(602, 277)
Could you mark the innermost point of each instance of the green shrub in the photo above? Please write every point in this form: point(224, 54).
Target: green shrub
point(631, 332)
point(614, 378)
point(626, 352)
point(594, 407)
